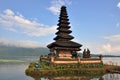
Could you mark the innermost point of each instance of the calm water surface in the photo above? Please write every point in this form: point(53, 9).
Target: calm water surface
point(112, 60)
point(15, 70)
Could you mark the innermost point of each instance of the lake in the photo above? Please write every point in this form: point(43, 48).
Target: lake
point(14, 68)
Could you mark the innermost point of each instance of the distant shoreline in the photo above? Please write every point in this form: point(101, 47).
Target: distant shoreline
point(8, 60)
point(111, 56)
point(97, 55)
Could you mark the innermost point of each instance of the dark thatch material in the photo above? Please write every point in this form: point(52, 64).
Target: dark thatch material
point(64, 30)
point(69, 37)
point(62, 27)
point(66, 23)
point(67, 44)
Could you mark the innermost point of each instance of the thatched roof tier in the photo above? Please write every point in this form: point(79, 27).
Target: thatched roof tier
point(71, 49)
point(66, 23)
point(63, 37)
point(63, 31)
point(65, 44)
point(61, 27)
point(63, 18)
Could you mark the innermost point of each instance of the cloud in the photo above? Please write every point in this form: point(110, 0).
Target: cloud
point(56, 4)
point(16, 22)
point(117, 24)
point(113, 38)
point(21, 43)
point(104, 49)
point(110, 49)
point(41, 31)
point(9, 12)
point(113, 44)
point(109, 46)
point(114, 41)
point(54, 10)
point(118, 5)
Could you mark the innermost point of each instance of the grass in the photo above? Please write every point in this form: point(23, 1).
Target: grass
point(49, 70)
point(60, 70)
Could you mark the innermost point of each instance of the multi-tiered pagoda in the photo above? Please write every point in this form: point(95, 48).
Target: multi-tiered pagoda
point(63, 50)
point(63, 47)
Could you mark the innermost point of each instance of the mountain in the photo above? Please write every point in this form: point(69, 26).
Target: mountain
point(19, 51)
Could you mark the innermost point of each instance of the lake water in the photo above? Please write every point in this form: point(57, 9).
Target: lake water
point(14, 70)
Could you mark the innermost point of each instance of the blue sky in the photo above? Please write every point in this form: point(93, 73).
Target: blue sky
point(32, 23)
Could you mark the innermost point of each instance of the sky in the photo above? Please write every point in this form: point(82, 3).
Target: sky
point(32, 23)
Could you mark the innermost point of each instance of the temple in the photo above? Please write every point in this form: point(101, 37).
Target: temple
point(63, 50)
point(63, 47)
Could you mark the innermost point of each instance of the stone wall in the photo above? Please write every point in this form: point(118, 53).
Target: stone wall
point(71, 61)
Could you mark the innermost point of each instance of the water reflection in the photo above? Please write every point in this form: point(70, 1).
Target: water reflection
point(105, 77)
point(13, 71)
point(67, 78)
point(112, 77)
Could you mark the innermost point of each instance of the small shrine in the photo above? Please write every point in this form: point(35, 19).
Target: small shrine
point(86, 53)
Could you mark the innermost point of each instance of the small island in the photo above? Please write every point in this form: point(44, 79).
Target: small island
point(64, 59)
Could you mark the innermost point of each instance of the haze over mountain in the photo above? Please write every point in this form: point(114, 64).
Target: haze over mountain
point(21, 51)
